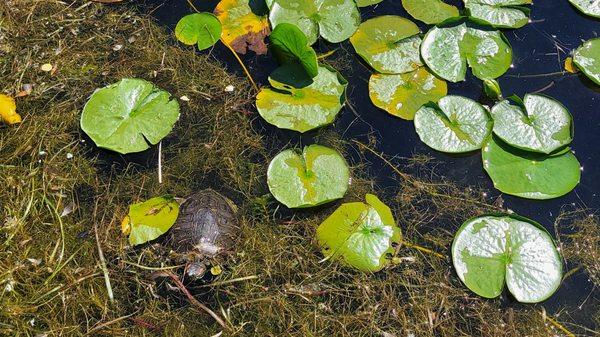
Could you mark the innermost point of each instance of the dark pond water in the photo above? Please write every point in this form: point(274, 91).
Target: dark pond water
point(539, 48)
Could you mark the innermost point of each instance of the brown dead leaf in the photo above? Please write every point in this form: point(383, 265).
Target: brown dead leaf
point(242, 29)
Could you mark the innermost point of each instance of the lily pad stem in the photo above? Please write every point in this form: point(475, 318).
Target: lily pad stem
point(109, 289)
point(327, 54)
point(422, 249)
point(557, 325)
point(242, 64)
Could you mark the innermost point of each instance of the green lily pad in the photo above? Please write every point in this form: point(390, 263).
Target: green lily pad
point(499, 13)
point(587, 58)
point(455, 125)
point(126, 116)
point(448, 50)
point(390, 44)
point(541, 125)
point(289, 45)
point(334, 20)
point(360, 234)
point(316, 176)
point(430, 11)
point(150, 219)
point(588, 7)
point(403, 94)
point(491, 251)
point(528, 174)
point(203, 29)
point(365, 3)
point(297, 102)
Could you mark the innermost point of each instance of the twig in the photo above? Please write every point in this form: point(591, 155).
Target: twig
point(109, 289)
point(160, 162)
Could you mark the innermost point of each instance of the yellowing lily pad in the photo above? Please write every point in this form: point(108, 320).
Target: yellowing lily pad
point(403, 94)
point(360, 234)
point(242, 29)
point(298, 102)
point(390, 44)
point(150, 219)
point(8, 110)
point(316, 176)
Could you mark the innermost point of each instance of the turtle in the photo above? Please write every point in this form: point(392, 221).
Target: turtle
point(206, 228)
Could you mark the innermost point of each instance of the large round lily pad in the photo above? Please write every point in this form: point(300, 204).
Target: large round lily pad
point(299, 103)
point(430, 11)
point(403, 94)
point(587, 58)
point(542, 124)
point(448, 50)
point(242, 29)
point(490, 251)
point(527, 174)
point(390, 44)
point(289, 45)
point(588, 7)
point(150, 219)
point(202, 29)
point(499, 13)
point(334, 20)
point(129, 115)
point(455, 125)
point(316, 176)
point(360, 234)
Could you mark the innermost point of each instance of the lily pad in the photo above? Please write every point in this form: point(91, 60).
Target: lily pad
point(316, 176)
point(242, 29)
point(297, 102)
point(289, 44)
point(403, 94)
point(334, 20)
point(360, 234)
point(455, 125)
point(448, 50)
point(365, 3)
point(588, 7)
point(541, 125)
point(127, 116)
point(527, 174)
point(390, 44)
point(430, 11)
point(150, 219)
point(499, 13)
point(587, 58)
point(202, 29)
point(491, 251)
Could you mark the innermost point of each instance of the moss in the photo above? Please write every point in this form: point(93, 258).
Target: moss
point(57, 211)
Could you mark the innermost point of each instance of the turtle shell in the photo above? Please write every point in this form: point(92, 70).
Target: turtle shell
point(206, 224)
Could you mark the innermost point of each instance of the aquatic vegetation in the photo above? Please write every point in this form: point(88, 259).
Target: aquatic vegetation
point(529, 174)
point(390, 44)
point(365, 3)
point(491, 251)
point(290, 45)
point(316, 176)
point(201, 29)
point(587, 7)
point(8, 110)
point(587, 58)
point(334, 20)
point(403, 94)
point(430, 11)
point(148, 220)
point(538, 123)
point(129, 115)
point(242, 28)
point(499, 13)
point(455, 124)
point(298, 102)
point(491, 88)
point(448, 50)
point(363, 235)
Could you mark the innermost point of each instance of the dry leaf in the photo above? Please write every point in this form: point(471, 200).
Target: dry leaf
point(8, 110)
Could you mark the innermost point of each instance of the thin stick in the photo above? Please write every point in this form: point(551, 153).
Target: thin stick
point(160, 162)
point(241, 64)
point(422, 249)
point(109, 289)
point(193, 300)
point(220, 283)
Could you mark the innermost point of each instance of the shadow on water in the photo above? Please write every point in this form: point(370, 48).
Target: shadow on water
point(539, 49)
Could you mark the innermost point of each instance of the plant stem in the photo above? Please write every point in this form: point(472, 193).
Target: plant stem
point(423, 249)
point(241, 64)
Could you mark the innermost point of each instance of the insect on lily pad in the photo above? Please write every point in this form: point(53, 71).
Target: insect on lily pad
point(315, 176)
point(298, 102)
point(362, 235)
point(455, 125)
point(390, 44)
point(127, 116)
point(430, 11)
point(499, 13)
point(587, 58)
point(148, 220)
point(541, 124)
point(492, 251)
point(201, 29)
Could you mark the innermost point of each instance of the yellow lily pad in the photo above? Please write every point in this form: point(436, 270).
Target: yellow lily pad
point(242, 29)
